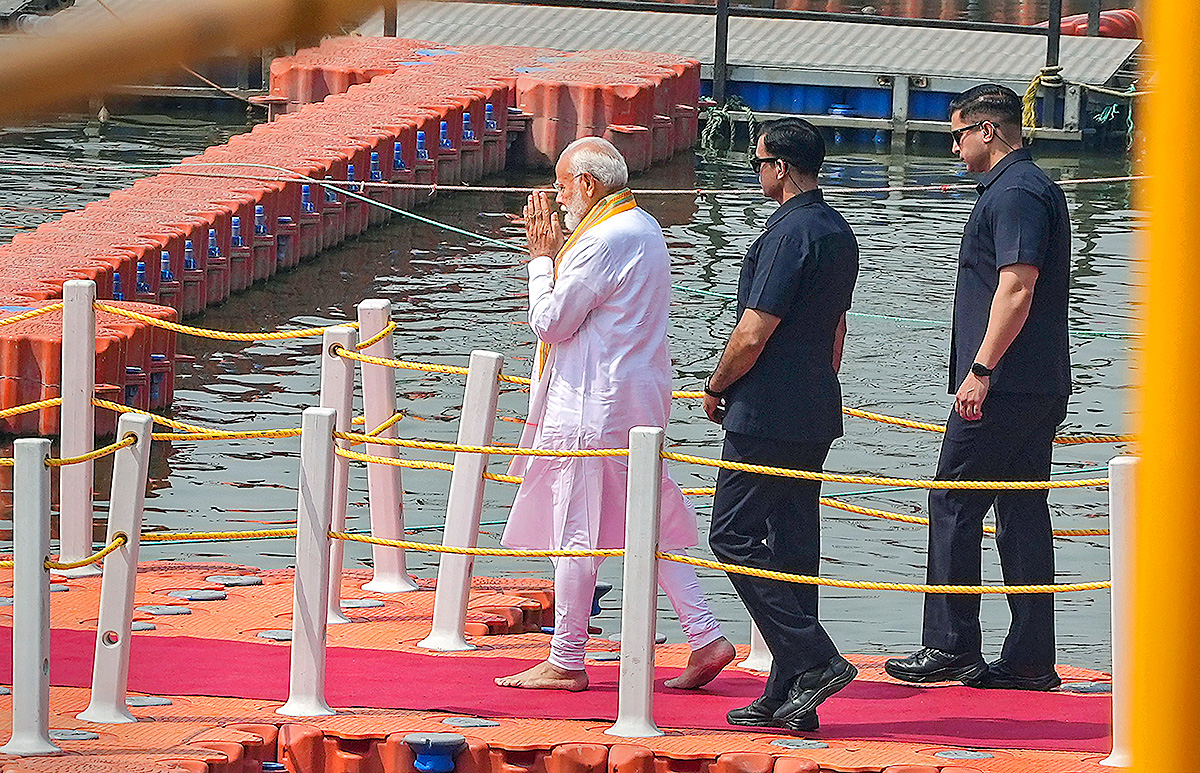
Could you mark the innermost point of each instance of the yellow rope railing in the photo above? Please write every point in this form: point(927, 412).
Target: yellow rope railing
point(883, 418)
point(701, 562)
point(118, 408)
point(249, 434)
point(195, 431)
point(111, 448)
point(425, 546)
point(1002, 485)
point(119, 539)
point(382, 334)
point(17, 410)
point(685, 394)
point(868, 585)
point(427, 367)
point(220, 335)
point(216, 535)
point(1072, 440)
point(395, 418)
point(29, 407)
point(454, 447)
point(890, 516)
point(30, 314)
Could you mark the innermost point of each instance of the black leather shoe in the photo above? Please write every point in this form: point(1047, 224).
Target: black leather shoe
point(761, 713)
point(934, 665)
point(1000, 676)
point(812, 687)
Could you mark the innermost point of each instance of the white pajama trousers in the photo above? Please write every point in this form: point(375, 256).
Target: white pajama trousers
point(575, 585)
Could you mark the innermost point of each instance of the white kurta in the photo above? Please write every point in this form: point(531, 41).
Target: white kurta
point(609, 370)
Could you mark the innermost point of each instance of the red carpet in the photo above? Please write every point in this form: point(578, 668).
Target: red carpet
point(385, 679)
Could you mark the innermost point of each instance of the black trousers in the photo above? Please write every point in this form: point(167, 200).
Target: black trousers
point(1012, 441)
point(769, 522)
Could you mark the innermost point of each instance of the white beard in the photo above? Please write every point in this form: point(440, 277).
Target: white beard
point(571, 220)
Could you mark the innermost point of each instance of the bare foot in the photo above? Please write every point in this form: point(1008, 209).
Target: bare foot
point(704, 665)
point(545, 676)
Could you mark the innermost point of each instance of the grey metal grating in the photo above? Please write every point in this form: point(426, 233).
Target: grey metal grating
point(775, 43)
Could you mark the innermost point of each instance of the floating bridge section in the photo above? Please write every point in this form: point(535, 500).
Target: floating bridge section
point(364, 123)
point(874, 74)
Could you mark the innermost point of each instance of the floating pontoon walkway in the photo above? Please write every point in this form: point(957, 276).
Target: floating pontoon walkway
point(210, 667)
point(911, 69)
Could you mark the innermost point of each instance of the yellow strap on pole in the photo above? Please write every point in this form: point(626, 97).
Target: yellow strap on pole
point(1166, 624)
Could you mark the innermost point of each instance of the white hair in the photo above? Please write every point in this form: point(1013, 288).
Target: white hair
point(599, 158)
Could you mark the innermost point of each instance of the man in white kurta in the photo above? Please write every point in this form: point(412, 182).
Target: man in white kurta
point(599, 305)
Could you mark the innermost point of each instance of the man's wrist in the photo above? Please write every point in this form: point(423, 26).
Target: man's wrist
point(981, 371)
point(708, 390)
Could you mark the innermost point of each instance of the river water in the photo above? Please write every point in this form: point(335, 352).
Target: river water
point(452, 295)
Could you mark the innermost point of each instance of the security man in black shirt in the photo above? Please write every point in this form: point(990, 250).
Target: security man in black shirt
point(1010, 373)
point(777, 395)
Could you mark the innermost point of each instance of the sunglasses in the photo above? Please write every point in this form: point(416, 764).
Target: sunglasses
point(961, 132)
point(756, 162)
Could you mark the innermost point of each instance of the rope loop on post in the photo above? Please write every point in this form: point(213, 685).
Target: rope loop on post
point(119, 539)
point(111, 448)
point(1050, 77)
point(382, 334)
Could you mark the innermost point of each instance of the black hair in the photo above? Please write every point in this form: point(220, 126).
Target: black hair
point(796, 141)
point(989, 101)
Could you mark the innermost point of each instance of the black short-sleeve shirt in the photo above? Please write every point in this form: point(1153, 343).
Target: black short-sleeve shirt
point(802, 270)
point(1020, 217)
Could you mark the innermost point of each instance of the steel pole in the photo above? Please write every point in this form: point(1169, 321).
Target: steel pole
point(389, 20)
point(721, 53)
point(1053, 38)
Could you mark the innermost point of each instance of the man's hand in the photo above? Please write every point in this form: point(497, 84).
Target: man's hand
point(714, 408)
point(968, 402)
point(543, 226)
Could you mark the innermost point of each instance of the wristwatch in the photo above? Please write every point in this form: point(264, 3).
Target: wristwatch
point(981, 370)
point(710, 392)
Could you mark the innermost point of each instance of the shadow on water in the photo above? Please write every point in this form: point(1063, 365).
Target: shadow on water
point(452, 295)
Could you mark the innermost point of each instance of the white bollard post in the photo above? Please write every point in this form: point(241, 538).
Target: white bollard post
point(759, 658)
point(110, 668)
point(383, 481)
point(77, 424)
point(639, 599)
point(31, 601)
point(337, 392)
point(464, 505)
point(1122, 502)
point(310, 601)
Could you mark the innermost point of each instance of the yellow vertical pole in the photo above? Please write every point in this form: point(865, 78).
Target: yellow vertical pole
point(1166, 636)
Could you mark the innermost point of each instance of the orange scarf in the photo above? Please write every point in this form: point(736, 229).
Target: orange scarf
point(612, 204)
